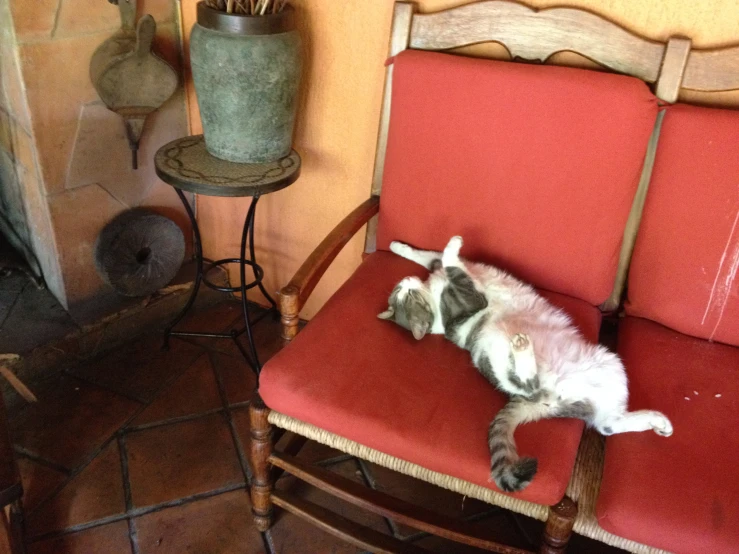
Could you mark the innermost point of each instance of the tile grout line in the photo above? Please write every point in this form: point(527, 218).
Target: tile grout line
point(239, 405)
point(245, 469)
point(173, 420)
point(266, 536)
point(122, 430)
point(49, 535)
point(132, 532)
point(12, 305)
point(74, 473)
point(41, 460)
point(79, 469)
point(137, 512)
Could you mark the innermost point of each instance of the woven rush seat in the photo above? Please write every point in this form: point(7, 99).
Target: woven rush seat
point(417, 402)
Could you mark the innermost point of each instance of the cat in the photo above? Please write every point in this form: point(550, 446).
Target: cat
point(523, 345)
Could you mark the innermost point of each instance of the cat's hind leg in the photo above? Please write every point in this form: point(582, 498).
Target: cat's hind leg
point(426, 258)
point(629, 422)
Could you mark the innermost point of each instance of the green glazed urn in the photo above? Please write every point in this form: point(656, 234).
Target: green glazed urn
point(246, 71)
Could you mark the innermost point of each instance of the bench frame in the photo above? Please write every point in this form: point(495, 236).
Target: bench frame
point(527, 34)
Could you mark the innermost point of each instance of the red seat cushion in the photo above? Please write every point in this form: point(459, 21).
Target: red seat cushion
point(369, 381)
point(686, 258)
point(535, 166)
point(679, 493)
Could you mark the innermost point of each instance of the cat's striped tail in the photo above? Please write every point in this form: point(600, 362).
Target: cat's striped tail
point(510, 472)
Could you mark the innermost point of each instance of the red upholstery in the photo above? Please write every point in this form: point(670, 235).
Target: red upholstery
point(678, 493)
point(686, 259)
point(368, 380)
point(535, 166)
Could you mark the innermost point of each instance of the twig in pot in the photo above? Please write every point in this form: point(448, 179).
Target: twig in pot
point(250, 7)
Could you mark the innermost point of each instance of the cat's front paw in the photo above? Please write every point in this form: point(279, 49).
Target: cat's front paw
point(399, 248)
point(450, 256)
point(455, 244)
point(661, 425)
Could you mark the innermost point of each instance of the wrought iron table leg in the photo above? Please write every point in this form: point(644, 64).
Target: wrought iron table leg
point(248, 231)
point(253, 257)
point(199, 268)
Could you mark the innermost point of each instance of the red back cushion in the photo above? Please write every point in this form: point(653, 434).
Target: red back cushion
point(535, 166)
point(686, 258)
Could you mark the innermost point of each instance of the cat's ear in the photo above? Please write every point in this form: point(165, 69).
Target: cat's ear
point(387, 314)
point(419, 329)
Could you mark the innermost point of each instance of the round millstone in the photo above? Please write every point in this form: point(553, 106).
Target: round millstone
point(139, 252)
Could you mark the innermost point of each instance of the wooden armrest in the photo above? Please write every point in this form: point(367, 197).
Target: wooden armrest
point(293, 296)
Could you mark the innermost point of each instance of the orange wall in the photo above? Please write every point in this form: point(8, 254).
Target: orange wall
point(345, 46)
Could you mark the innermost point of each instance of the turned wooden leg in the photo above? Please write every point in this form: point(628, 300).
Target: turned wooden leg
point(260, 449)
point(559, 527)
point(289, 311)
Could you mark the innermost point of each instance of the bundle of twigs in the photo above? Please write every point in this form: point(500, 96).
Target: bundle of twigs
point(247, 7)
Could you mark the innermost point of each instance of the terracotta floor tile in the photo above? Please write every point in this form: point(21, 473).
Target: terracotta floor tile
point(141, 368)
point(36, 318)
point(268, 339)
point(95, 493)
point(498, 527)
point(38, 482)
point(212, 320)
point(292, 535)
point(181, 459)
point(4, 544)
point(107, 539)
point(222, 525)
point(348, 470)
point(7, 300)
point(194, 392)
point(70, 420)
point(239, 381)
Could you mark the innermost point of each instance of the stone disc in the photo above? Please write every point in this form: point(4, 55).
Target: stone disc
point(139, 252)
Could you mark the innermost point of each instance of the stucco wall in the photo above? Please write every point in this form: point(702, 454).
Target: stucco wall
point(345, 47)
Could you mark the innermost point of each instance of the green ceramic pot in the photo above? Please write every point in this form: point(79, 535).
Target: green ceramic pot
point(246, 71)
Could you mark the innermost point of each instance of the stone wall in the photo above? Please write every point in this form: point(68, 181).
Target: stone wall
point(79, 160)
point(24, 217)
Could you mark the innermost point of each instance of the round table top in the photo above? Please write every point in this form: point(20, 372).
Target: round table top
point(187, 165)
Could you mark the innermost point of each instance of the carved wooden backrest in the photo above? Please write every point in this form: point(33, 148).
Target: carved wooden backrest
point(536, 35)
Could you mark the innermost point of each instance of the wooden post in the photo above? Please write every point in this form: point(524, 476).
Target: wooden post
point(260, 450)
point(559, 527)
point(289, 311)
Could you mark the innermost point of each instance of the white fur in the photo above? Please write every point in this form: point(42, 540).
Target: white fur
point(569, 368)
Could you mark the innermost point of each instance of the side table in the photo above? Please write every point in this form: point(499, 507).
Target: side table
point(187, 166)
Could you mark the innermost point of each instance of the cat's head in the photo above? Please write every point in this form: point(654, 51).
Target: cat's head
point(411, 306)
